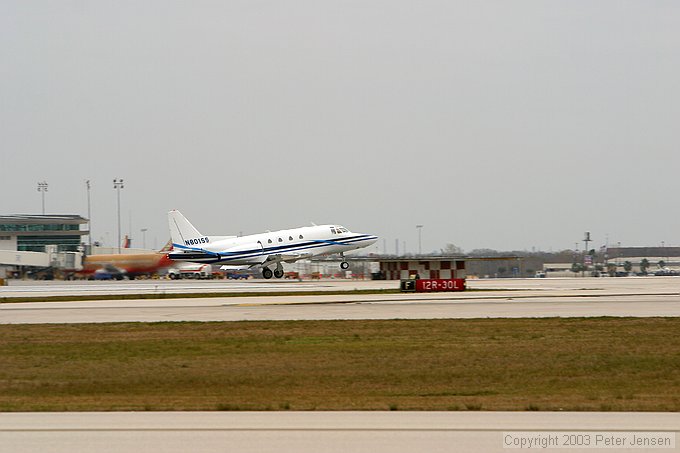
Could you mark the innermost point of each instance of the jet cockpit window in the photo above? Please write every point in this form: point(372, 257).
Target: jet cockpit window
point(333, 230)
point(341, 229)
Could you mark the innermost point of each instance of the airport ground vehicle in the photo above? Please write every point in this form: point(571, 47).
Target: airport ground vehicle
point(191, 270)
point(42, 274)
point(666, 272)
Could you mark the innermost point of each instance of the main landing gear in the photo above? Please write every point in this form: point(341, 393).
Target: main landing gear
point(278, 272)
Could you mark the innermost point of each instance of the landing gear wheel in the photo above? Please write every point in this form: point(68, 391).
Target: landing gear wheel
point(267, 273)
point(344, 265)
point(278, 273)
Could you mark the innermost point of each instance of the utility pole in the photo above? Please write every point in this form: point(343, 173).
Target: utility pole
point(144, 230)
point(89, 217)
point(117, 185)
point(420, 244)
point(42, 188)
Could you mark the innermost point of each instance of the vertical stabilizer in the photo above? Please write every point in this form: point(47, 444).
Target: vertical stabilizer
point(182, 232)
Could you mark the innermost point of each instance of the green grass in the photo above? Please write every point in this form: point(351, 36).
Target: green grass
point(495, 364)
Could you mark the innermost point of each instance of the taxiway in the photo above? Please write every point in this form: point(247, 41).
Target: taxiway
point(504, 299)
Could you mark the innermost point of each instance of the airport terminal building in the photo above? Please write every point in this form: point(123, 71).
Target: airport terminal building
point(31, 233)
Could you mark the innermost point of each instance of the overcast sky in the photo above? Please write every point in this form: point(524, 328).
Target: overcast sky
point(495, 124)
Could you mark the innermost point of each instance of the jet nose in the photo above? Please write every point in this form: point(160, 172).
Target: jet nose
point(372, 239)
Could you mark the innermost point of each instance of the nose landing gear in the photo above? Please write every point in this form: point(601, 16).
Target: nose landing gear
point(344, 265)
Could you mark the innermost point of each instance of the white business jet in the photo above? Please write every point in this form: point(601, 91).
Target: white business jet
point(263, 250)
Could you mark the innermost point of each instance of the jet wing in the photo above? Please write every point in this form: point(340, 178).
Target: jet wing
point(108, 267)
point(289, 257)
point(234, 268)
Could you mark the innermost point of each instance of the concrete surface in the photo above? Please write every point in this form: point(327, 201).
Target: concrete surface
point(637, 297)
point(301, 432)
point(319, 307)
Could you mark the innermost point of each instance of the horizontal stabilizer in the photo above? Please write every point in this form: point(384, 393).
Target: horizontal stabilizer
point(193, 255)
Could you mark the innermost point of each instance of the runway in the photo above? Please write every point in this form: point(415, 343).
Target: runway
point(546, 286)
point(302, 432)
point(334, 307)
point(525, 298)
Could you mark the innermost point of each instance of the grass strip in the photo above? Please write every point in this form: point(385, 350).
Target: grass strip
point(618, 364)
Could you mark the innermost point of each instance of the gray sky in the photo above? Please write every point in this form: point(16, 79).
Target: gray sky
point(507, 125)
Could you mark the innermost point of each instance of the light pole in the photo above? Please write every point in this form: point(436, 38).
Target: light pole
point(420, 244)
point(663, 251)
point(42, 188)
point(586, 239)
point(144, 230)
point(118, 184)
point(89, 216)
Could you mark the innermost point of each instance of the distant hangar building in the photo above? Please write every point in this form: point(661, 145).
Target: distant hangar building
point(422, 266)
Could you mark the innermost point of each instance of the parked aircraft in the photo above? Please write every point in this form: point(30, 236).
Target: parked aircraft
point(263, 250)
point(126, 265)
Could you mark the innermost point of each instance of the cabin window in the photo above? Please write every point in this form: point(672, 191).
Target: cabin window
point(301, 237)
point(270, 241)
point(290, 238)
point(280, 240)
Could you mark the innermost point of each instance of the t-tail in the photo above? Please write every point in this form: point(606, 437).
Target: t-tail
point(182, 232)
point(187, 241)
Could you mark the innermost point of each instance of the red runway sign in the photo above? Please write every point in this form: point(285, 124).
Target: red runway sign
point(440, 284)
